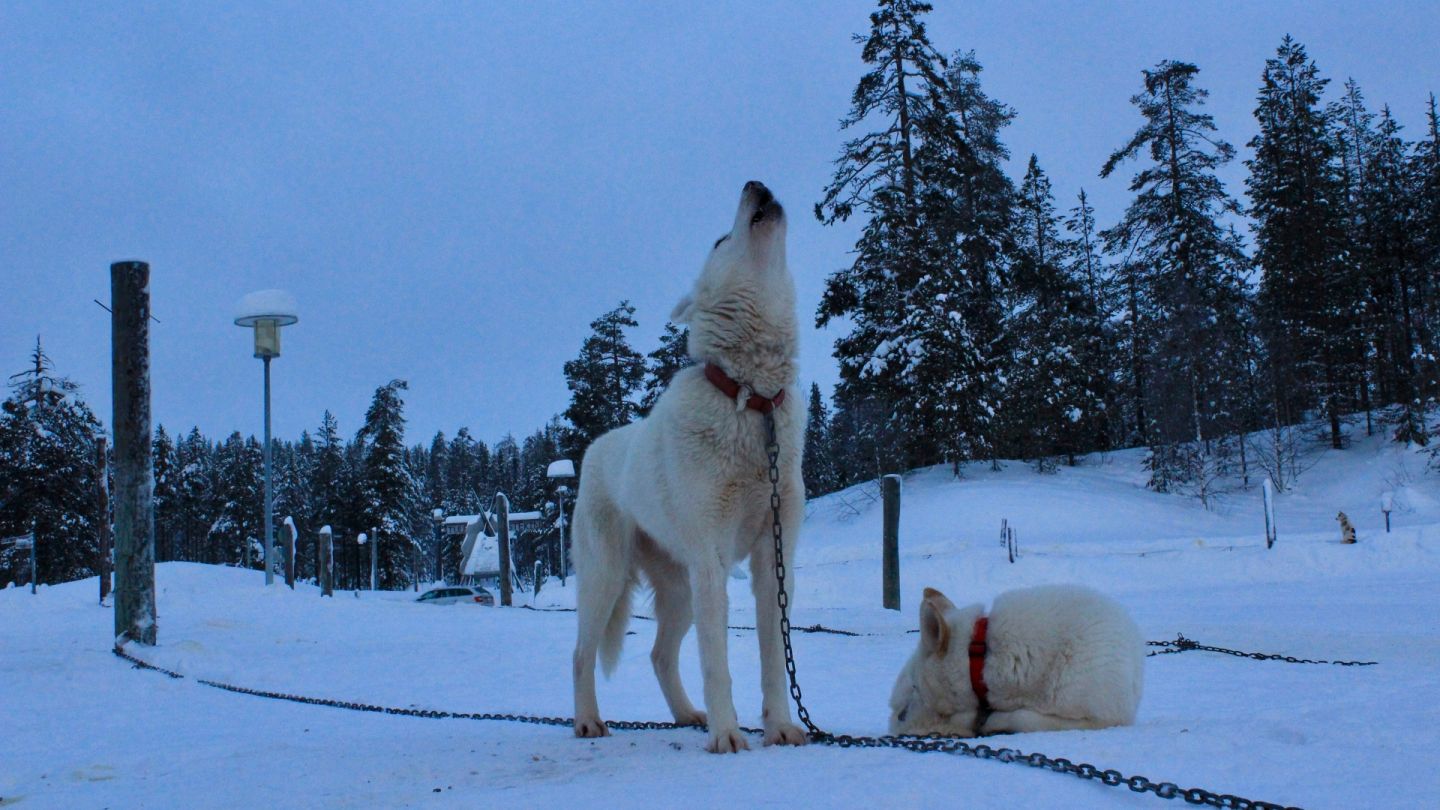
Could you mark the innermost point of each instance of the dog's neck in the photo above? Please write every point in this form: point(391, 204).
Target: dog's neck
point(754, 344)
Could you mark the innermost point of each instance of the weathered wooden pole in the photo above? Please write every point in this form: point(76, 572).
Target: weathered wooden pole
point(502, 532)
point(289, 541)
point(1269, 495)
point(102, 521)
point(374, 559)
point(325, 561)
point(134, 471)
point(890, 494)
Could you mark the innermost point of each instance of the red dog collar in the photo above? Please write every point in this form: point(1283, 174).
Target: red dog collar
point(732, 389)
point(978, 648)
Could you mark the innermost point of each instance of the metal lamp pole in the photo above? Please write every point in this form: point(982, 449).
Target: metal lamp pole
point(561, 471)
point(266, 311)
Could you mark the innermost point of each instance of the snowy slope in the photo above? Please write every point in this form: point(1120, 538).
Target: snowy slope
point(83, 729)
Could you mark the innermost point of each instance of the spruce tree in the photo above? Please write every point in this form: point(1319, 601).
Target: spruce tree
point(1185, 271)
point(388, 487)
point(1308, 293)
point(662, 363)
point(166, 494)
point(238, 498)
point(47, 475)
point(819, 467)
point(1056, 402)
point(604, 377)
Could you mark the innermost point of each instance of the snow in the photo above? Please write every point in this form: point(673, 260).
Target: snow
point(562, 468)
point(87, 730)
point(267, 304)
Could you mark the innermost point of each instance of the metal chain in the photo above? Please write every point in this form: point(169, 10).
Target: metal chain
point(1183, 644)
point(772, 449)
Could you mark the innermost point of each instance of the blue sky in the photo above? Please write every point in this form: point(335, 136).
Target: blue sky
point(452, 191)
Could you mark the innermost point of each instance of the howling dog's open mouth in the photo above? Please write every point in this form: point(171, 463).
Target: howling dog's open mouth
point(766, 206)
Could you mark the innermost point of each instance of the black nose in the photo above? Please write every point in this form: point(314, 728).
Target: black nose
point(756, 185)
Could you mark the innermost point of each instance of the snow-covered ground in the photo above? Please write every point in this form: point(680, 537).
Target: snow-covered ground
point(83, 729)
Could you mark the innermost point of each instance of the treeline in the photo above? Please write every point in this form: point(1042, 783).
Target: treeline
point(987, 319)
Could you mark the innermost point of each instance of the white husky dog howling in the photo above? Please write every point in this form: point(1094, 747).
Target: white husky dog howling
point(1048, 658)
point(684, 494)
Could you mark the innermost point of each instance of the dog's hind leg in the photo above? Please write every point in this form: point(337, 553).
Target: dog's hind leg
point(603, 585)
point(1026, 720)
point(673, 616)
point(712, 611)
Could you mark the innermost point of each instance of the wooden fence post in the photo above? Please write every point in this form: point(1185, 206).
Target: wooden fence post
point(890, 493)
point(134, 504)
point(325, 561)
point(502, 531)
point(289, 541)
point(102, 523)
point(374, 559)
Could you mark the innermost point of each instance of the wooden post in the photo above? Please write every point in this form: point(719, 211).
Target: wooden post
point(289, 551)
point(325, 561)
point(102, 522)
point(890, 493)
point(374, 558)
point(1269, 494)
point(134, 470)
point(502, 531)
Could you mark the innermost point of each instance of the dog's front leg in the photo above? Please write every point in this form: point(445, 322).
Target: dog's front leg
point(773, 679)
point(712, 611)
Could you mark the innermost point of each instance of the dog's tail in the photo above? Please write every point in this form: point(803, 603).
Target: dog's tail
point(614, 637)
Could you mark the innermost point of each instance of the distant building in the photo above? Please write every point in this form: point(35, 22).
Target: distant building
point(480, 547)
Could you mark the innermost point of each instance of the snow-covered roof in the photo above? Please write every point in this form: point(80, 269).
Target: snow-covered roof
point(276, 305)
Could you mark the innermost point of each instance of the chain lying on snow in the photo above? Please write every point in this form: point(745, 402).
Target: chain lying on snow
point(923, 745)
point(951, 745)
point(1183, 644)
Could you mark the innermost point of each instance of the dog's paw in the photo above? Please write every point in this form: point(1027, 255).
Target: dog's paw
point(727, 741)
point(694, 717)
point(593, 727)
point(785, 734)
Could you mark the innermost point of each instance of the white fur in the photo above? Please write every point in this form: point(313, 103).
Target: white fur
point(1060, 657)
point(684, 494)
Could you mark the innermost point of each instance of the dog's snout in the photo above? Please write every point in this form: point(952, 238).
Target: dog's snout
point(755, 185)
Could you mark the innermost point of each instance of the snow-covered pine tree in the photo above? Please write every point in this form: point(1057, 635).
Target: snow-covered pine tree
point(878, 177)
point(1388, 245)
point(47, 475)
point(1184, 270)
point(819, 467)
point(390, 491)
point(195, 499)
point(1088, 265)
point(662, 363)
point(1426, 172)
point(1309, 294)
point(1055, 383)
point(166, 496)
point(603, 378)
point(463, 476)
point(235, 536)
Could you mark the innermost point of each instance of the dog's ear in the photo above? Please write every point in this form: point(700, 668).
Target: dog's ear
point(681, 313)
point(934, 626)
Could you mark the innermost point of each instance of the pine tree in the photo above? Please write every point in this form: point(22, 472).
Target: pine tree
point(819, 467)
point(1387, 242)
point(604, 377)
point(1056, 388)
point(47, 475)
point(236, 533)
point(166, 494)
point(194, 502)
point(661, 364)
point(1101, 303)
point(1426, 172)
point(1184, 271)
point(388, 486)
point(1308, 293)
point(878, 175)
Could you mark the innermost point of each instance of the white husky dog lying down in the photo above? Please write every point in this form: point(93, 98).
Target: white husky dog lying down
point(684, 494)
point(1049, 658)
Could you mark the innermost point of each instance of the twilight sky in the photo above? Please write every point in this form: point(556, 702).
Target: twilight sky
point(452, 191)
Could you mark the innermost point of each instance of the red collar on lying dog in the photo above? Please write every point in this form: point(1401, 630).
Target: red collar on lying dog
point(732, 389)
point(978, 648)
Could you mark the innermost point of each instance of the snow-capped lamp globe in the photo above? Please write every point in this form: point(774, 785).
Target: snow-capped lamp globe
point(266, 311)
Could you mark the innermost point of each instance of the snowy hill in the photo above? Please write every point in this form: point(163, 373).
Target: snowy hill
point(84, 729)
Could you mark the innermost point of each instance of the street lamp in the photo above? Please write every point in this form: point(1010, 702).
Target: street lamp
point(560, 471)
point(266, 311)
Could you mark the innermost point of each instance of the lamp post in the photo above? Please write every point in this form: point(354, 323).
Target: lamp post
point(561, 471)
point(437, 516)
point(266, 311)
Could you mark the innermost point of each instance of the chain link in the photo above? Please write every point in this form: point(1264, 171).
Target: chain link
point(1183, 644)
